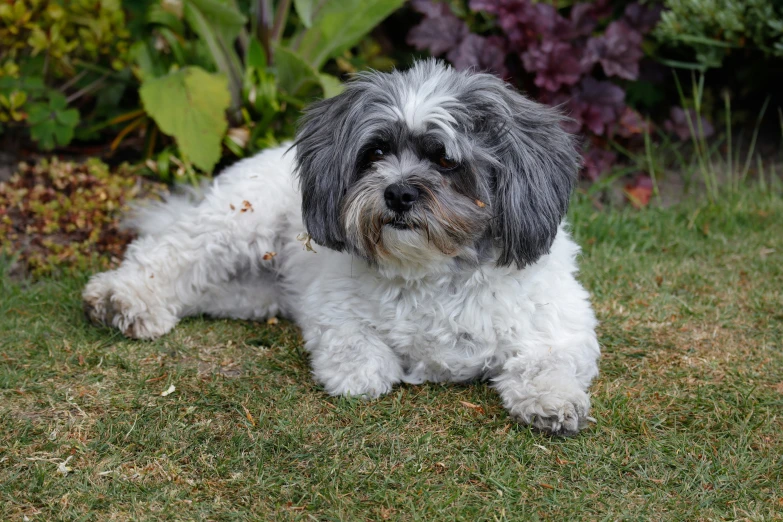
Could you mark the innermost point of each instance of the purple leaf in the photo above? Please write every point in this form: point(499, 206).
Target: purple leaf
point(642, 17)
point(596, 162)
point(484, 54)
point(597, 104)
point(631, 124)
point(564, 102)
point(439, 31)
point(678, 124)
point(583, 19)
point(524, 22)
point(555, 64)
point(619, 50)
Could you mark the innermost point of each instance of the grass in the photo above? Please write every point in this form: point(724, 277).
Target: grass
point(689, 403)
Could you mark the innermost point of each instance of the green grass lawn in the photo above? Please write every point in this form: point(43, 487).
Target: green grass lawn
point(689, 403)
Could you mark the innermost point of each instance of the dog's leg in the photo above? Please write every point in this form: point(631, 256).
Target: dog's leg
point(169, 276)
point(546, 386)
point(191, 254)
point(352, 360)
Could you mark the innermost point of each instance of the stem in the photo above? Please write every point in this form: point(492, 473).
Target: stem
point(263, 19)
point(281, 15)
point(86, 90)
point(64, 87)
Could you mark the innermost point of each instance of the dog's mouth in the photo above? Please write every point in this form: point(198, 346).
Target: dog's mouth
point(399, 223)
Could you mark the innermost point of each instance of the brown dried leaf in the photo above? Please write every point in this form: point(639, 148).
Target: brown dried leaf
point(306, 239)
point(248, 416)
point(472, 406)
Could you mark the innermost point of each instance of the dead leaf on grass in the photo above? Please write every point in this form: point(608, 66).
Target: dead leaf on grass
point(639, 192)
point(63, 467)
point(230, 371)
point(248, 416)
point(472, 406)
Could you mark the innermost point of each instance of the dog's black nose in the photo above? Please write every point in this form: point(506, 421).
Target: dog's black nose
point(399, 197)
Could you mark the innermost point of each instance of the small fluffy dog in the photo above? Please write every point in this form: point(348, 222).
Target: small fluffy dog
point(434, 200)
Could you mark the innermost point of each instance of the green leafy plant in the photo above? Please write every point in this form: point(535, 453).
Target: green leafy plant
point(53, 56)
point(52, 122)
point(712, 29)
point(246, 74)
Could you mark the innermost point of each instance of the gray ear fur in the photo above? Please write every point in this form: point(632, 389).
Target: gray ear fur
point(324, 165)
point(537, 166)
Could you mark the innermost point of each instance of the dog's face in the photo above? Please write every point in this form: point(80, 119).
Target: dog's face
point(431, 165)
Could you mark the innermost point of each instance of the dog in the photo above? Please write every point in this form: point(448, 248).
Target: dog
point(413, 231)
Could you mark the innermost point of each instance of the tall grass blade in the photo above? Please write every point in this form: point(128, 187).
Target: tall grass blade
point(729, 162)
point(650, 165)
point(753, 139)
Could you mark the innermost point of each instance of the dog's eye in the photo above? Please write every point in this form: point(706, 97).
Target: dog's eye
point(376, 154)
point(446, 162)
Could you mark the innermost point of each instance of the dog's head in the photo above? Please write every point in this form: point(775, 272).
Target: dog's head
point(432, 164)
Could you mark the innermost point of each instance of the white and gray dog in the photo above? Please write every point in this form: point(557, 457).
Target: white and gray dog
point(434, 200)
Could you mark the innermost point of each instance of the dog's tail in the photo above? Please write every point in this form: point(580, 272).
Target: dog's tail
point(150, 217)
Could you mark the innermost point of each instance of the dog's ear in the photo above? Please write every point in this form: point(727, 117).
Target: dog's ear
point(324, 166)
point(535, 168)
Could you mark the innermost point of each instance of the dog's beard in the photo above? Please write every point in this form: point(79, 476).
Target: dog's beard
point(440, 225)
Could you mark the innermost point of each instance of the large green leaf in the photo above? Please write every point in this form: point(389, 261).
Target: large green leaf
point(340, 24)
point(305, 8)
point(331, 85)
point(190, 105)
point(223, 15)
point(293, 72)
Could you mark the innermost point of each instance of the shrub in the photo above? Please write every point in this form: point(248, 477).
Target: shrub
point(712, 29)
point(49, 54)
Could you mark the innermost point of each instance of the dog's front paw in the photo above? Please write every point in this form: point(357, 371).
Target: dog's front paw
point(111, 303)
point(367, 378)
point(367, 383)
point(559, 412)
